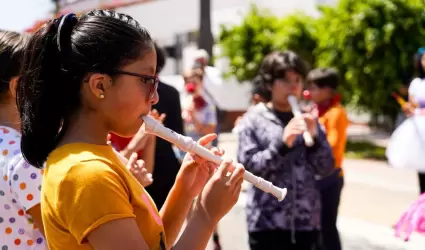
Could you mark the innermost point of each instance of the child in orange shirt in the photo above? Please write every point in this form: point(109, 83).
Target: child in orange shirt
point(332, 116)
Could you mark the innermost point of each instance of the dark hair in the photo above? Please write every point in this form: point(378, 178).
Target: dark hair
point(262, 91)
point(12, 46)
point(276, 64)
point(324, 77)
point(418, 63)
point(161, 58)
point(57, 58)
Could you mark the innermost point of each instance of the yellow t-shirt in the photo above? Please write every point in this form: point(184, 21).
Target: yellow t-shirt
point(86, 185)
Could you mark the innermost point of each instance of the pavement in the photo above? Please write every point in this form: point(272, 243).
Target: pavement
point(374, 197)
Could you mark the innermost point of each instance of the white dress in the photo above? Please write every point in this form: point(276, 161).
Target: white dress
point(406, 148)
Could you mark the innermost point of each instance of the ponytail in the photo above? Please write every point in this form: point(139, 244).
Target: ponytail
point(44, 95)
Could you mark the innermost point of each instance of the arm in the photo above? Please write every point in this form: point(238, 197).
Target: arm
point(173, 214)
point(35, 213)
point(254, 157)
point(320, 155)
point(117, 234)
point(32, 186)
point(197, 228)
point(148, 154)
point(137, 143)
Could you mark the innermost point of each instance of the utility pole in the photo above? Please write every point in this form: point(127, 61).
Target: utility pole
point(205, 39)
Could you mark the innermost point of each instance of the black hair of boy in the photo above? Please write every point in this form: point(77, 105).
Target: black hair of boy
point(324, 77)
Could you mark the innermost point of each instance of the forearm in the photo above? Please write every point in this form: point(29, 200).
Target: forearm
point(136, 144)
point(197, 233)
point(148, 155)
point(173, 214)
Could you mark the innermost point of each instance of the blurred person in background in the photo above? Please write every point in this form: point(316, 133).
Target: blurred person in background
point(212, 81)
point(199, 116)
point(259, 94)
point(166, 162)
point(21, 225)
point(271, 146)
point(407, 143)
point(323, 84)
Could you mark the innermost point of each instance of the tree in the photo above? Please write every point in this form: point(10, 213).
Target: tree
point(245, 45)
point(261, 33)
point(297, 32)
point(372, 44)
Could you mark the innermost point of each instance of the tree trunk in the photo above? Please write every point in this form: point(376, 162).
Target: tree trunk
point(205, 39)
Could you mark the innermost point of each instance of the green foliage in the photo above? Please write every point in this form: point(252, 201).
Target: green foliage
point(371, 43)
point(246, 44)
point(297, 32)
point(364, 150)
point(261, 33)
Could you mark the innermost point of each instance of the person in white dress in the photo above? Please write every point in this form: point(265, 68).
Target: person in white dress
point(406, 148)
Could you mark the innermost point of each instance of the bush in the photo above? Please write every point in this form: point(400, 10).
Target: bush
point(246, 44)
point(372, 44)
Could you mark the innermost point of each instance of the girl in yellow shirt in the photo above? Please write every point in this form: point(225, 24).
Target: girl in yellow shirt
point(81, 79)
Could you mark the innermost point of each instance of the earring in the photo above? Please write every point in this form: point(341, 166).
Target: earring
point(101, 96)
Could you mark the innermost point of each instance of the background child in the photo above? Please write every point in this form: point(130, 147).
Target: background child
point(332, 116)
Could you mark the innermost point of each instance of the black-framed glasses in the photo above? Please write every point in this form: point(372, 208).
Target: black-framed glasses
point(151, 80)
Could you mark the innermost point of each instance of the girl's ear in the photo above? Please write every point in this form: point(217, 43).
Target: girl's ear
point(13, 85)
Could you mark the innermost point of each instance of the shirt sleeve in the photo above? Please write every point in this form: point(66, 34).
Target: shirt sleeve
point(26, 183)
point(92, 194)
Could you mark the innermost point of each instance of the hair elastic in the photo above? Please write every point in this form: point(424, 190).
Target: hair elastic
point(67, 22)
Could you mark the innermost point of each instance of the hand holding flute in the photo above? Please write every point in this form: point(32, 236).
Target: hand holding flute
point(304, 124)
point(188, 145)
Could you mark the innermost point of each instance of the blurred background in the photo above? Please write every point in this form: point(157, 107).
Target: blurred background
point(370, 42)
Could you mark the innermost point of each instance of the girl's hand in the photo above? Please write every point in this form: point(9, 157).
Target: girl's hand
point(137, 168)
point(408, 109)
point(157, 116)
point(221, 192)
point(195, 171)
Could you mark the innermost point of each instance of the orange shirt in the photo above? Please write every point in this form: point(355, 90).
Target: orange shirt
point(335, 122)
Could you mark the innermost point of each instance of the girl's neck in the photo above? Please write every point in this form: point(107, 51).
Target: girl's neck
point(84, 128)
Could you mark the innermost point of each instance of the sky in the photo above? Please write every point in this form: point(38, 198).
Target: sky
point(17, 15)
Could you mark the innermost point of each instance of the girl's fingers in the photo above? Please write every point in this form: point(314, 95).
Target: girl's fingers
point(132, 161)
point(140, 164)
point(237, 174)
point(237, 188)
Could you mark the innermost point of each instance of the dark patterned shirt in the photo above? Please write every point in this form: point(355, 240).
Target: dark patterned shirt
point(263, 153)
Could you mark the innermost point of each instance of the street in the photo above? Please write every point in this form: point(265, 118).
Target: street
point(374, 197)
